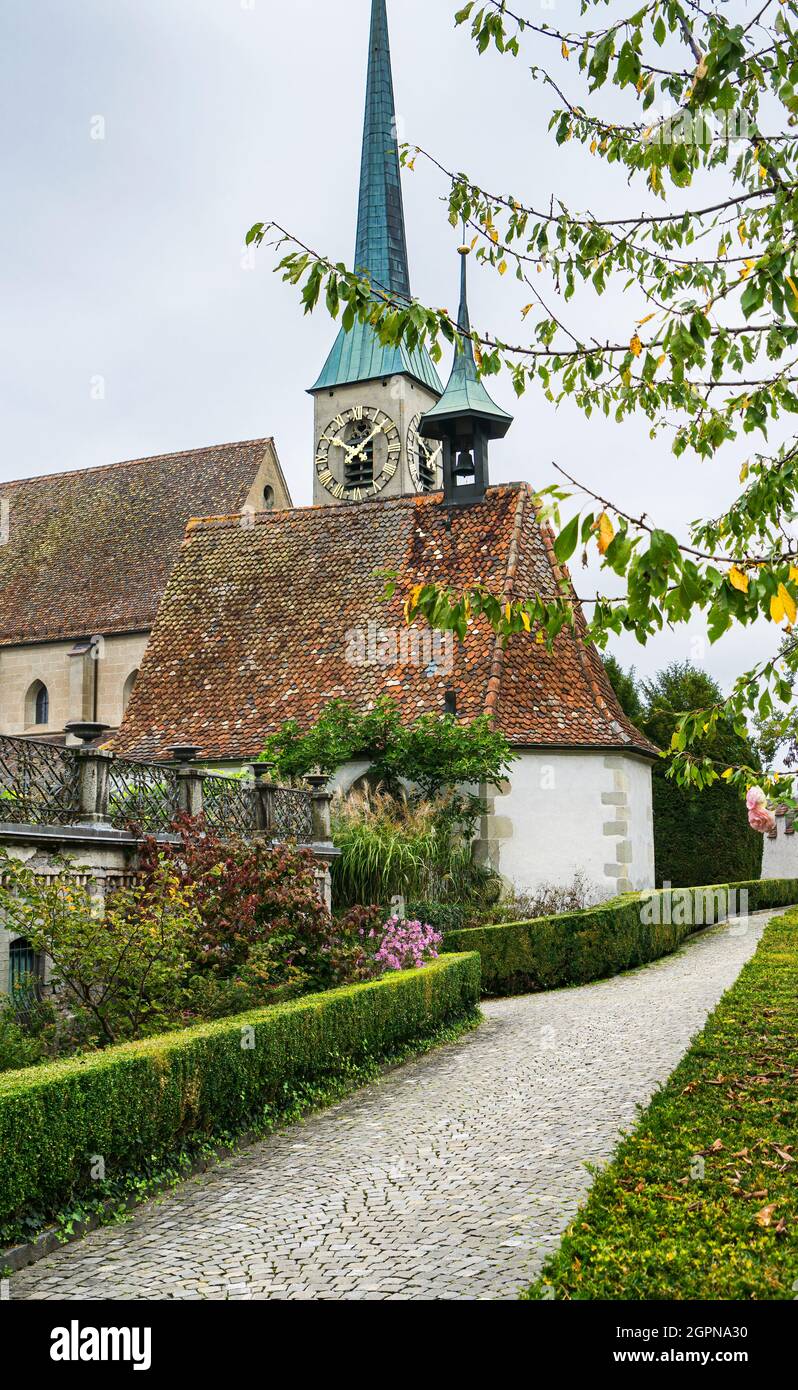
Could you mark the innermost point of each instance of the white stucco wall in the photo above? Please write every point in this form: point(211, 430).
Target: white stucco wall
point(780, 855)
point(560, 813)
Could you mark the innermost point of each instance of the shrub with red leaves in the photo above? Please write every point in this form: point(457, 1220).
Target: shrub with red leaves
point(249, 895)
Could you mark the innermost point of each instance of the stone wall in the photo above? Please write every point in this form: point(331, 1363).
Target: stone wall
point(102, 860)
point(74, 681)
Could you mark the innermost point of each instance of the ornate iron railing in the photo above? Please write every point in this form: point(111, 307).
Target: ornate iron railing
point(291, 814)
point(228, 805)
point(141, 796)
point(46, 784)
point(39, 782)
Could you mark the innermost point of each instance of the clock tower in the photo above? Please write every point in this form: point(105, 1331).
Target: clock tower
point(369, 399)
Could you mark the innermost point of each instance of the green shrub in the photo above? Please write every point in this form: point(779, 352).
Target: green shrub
point(701, 834)
point(445, 917)
point(18, 1047)
point(572, 948)
point(145, 1100)
point(650, 1229)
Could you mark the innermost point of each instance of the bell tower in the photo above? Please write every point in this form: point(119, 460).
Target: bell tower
point(369, 399)
point(465, 418)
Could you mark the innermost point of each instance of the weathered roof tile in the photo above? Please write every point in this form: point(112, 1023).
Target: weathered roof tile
point(260, 625)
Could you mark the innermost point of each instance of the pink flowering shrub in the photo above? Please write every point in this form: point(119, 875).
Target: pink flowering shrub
point(759, 816)
point(401, 945)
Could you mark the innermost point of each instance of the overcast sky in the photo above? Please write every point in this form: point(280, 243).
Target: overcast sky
point(133, 324)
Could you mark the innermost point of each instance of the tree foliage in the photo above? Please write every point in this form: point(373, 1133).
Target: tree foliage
point(696, 105)
point(435, 752)
point(698, 837)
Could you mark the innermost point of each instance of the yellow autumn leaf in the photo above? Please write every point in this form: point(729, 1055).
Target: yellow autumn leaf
point(593, 145)
point(660, 359)
point(540, 638)
point(502, 267)
point(635, 346)
point(605, 532)
point(793, 572)
point(792, 286)
point(647, 319)
point(741, 231)
point(744, 472)
point(493, 234)
point(565, 49)
point(727, 774)
point(508, 612)
point(788, 604)
point(763, 173)
point(776, 608)
point(738, 579)
point(527, 622)
point(527, 307)
point(747, 268)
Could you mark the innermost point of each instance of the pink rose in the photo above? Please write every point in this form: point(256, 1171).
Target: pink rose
point(759, 817)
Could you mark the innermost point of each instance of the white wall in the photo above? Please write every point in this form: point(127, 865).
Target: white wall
point(566, 812)
point(560, 813)
point(780, 855)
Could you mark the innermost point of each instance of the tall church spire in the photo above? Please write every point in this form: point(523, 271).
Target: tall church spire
point(381, 247)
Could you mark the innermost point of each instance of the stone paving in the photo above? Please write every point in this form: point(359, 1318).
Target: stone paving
point(451, 1178)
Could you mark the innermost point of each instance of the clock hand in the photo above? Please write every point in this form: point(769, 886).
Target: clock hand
point(357, 452)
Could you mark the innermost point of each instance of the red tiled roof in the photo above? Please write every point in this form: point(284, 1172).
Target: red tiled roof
point(90, 551)
point(255, 626)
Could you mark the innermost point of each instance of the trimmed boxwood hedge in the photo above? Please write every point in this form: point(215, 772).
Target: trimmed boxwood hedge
point(142, 1100)
point(572, 948)
point(653, 1227)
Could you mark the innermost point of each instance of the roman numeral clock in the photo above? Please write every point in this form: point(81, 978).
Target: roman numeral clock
point(360, 450)
point(358, 453)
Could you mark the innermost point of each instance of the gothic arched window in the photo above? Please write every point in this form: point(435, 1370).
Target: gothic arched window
point(127, 689)
point(37, 704)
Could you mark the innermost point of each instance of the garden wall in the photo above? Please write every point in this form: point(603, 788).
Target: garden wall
point(141, 1102)
point(575, 947)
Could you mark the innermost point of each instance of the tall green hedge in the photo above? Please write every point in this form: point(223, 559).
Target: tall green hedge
point(701, 836)
point(575, 947)
point(133, 1103)
point(657, 1225)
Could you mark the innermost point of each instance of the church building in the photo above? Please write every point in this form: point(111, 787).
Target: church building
point(269, 621)
point(84, 560)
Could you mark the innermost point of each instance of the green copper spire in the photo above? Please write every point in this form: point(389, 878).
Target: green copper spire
point(380, 246)
point(465, 396)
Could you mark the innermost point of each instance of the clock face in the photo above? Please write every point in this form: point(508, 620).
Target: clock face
point(358, 453)
point(426, 459)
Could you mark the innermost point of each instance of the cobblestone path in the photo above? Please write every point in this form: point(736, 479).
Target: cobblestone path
point(452, 1178)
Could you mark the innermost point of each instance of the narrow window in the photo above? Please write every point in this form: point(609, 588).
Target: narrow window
point(37, 704)
point(127, 689)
